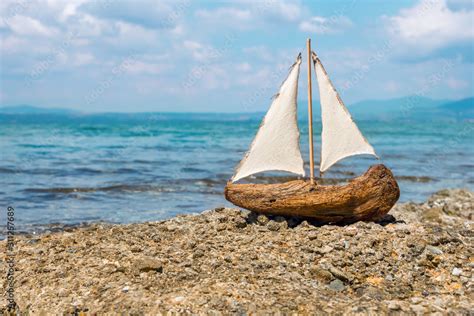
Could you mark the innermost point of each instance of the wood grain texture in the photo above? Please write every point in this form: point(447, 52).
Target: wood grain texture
point(367, 197)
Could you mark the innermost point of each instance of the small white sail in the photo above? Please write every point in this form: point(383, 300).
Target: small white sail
point(340, 137)
point(276, 145)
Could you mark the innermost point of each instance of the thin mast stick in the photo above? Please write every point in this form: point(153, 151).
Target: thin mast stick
point(310, 115)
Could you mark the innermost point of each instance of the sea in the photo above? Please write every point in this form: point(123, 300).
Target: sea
point(73, 169)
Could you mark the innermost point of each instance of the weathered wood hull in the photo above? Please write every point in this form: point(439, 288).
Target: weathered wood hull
point(367, 197)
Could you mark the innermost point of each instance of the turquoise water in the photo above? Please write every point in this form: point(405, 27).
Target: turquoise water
point(131, 168)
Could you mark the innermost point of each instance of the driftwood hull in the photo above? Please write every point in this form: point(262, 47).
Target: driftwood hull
point(367, 197)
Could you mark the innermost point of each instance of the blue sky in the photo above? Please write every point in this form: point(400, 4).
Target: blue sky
point(228, 56)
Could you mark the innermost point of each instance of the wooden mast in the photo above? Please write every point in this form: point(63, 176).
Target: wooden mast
point(310, 115)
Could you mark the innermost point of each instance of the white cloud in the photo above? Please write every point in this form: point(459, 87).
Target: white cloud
point(90, 26)
point(282, 10)
point(12, 44)
point(227, 17)
point(127, 34)
point(68, 9)
point(261, 52)
point(140, 67)
point(25, 25)
point(178, 30)
point(225, 13)
point(391, 86)
point(81, 59)
point(456, 84)
point(207, 77)
point(133, 30)
point(199, 51)
point(243, 67)
point(431, 24)
point(247, 14)
point(147, 13)
point(287, 10)
point(323, 25)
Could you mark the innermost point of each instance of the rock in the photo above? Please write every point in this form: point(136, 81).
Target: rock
point(434, 250)
point(222, 226)
point(198, 253)
point(372, 292)
point(336, 285)
point(346, 244)
point(304, 224)
point(322, 274)
point(283, 225)
point(171, 227)
point(416, 300)
point(178, 299)
point(456, 272)
point(395, 306)
point(33, 240)
point(339, 274)
point(273, 226)
point(433, 214)
point(125, 289)
point(262, 219)
point(240, 222)
point(324, 250)
point(418, 309)
point(148, 264)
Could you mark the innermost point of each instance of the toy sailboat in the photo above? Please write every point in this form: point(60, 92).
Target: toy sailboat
point(276, 148)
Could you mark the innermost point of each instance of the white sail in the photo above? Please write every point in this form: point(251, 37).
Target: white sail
point(340, 137)
point(276, 145)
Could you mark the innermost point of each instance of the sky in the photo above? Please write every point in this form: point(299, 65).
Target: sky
point(228, 56)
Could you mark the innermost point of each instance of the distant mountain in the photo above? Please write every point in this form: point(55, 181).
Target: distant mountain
point(461, 110)
point(393, 108)
point(406, 108)
point(30, 109)
point(464, 107)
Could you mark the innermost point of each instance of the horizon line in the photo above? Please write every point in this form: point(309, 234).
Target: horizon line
point(53, 108)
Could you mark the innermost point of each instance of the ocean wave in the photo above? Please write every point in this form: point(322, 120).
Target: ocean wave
point(81, 171)
point(88, 171)
point(191, 169)
point(204, 186)
point(38, 146)
point(111, 188)
point(421, 179)
point(8, 170)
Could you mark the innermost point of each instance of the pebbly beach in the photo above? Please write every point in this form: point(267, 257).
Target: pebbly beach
point(417, 260)
point(273, 157)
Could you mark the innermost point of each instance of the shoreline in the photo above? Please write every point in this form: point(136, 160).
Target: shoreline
point(418, 260)
point(39, 229)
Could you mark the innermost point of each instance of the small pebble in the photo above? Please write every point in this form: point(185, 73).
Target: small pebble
point(346, 244)
point(178, 299)
point(262, 219)
point(456, 272)
point(434, 250)
point(336, 285)
point(393, 306)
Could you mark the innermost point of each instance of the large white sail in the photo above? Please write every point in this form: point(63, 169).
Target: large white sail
point(276, 145)
point(340, 137)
